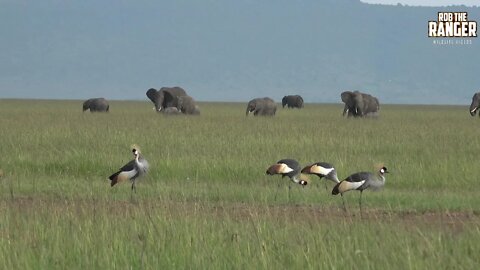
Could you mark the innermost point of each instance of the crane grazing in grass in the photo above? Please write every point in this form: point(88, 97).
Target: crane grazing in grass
point(132, 170)
point(290, 168)
point(361, 181)
point(322, 170)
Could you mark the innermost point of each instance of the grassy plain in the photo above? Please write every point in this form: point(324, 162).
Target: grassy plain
point(207, 203)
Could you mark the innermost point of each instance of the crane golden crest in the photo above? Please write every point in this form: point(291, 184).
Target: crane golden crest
point(136, 147)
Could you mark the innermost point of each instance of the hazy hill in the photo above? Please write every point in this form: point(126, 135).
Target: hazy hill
point(231, 50)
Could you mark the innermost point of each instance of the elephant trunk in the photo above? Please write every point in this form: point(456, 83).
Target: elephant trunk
point(473, 109)
point(158, 107)
point(346, 110)
point(250, 107)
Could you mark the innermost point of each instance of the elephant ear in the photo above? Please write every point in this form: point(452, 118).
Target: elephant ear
point(152, 94)
point(347, 97)
point(86, 104)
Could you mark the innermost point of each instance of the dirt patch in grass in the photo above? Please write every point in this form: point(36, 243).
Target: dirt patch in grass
point(455, 221)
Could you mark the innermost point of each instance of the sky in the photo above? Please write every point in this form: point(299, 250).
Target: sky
point(227, 50)
point(431, 3)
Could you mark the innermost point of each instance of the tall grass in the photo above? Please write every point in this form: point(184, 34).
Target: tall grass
point(207, 203)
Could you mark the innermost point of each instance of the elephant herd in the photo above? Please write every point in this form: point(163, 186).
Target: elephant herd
point(167, 100)
point(357, 104)
point(174, 100)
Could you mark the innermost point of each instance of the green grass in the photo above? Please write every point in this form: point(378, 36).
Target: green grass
point(207, 203)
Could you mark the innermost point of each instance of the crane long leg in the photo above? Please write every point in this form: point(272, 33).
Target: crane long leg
point(289, 188)
point(275, 198)
point(343, 201)
point(361, 192)
point(134, 188)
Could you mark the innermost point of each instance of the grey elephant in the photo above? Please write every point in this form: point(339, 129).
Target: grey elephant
point(171, 111)
point(475, 104)
point(359, 104)
point(187, 105)
point(96, 105)
point(292, 101)
point(261, 106)
point(165, 97)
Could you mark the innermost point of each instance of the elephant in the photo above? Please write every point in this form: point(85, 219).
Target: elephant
point(292, 101)
point(96, 105)
point(475, 104)
point(186, 105)
point(165, 97)
point(261, 106)
point(359, 104)
point(171, 111)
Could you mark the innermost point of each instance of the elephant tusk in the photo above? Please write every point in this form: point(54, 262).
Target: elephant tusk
point(474, 109)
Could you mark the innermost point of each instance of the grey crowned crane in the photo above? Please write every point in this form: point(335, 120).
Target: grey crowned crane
point(290, 168)
point(322, 170)
point(361, 181)
point(132, 170)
